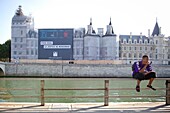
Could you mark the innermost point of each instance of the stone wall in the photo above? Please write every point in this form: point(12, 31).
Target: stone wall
point(78, 70)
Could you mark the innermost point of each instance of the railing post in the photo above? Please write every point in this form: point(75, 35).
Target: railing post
point(168, 92)
point(106, 93)
point(42, 93)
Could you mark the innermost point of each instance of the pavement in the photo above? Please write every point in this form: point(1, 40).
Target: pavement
point(120, 107)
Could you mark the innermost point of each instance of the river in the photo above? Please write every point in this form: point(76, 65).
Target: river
point(80, 84)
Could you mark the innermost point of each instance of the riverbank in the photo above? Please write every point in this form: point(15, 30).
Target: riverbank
point(78, 70)
point(125, 107)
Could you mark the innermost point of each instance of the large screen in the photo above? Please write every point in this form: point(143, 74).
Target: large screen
point(55, 44)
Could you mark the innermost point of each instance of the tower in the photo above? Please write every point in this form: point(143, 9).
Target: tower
point(20, 28)
point(158, 44)
point(109, 44)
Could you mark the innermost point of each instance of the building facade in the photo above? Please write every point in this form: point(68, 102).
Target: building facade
point(89, 45)
point(24, 39)
point(133, 47)
point(96, 46)
point(78, 44)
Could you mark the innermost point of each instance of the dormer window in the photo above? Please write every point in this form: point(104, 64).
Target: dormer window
point(140, 42)
point(135, 41)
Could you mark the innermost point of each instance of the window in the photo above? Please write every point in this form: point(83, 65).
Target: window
point(150, 55)
point(135, 41)
point(15, 39)
point(124, 42)
point(32, 52)
point(15, 52)
point(78, 52)
point(156, 57)
point(156, 50)
point(32, 43)
point(130, 55)
point(140, 55)
point(124, 55)
point(20, 53)
point(36, 52)
point(124, 48)
point(15, 46)
point(36, 44)
point(150, 42)
point(140, 48)
point(135, 48)
point(21, 40)
point(74, 51)
point(119, 48)
point(105, 49)
point(135, 55)
point(86, 50)
point(156, 41)
point(130, 48)
point(169, 56)
point(27, 52)
point(21, 32)
point(140, 42)
point(151, 48)
point(145, 48)
point(20, 46)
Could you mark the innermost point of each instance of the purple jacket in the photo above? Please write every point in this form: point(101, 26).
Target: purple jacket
point(138, 66)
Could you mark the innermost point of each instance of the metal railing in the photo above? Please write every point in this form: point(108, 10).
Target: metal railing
point(106, 89)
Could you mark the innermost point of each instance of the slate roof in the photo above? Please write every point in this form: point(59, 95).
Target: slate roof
point(137, 37)
point(156, 30)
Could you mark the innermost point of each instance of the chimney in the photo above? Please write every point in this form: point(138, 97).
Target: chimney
point(148, 33)
point(130, 34)
point(100, 31)
point(160, 31)
point(140, 34)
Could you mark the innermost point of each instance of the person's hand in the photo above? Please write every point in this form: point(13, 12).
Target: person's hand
point(147, 64)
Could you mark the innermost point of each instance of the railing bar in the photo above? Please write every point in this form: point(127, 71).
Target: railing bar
point(73, 89)
point(81, 89)
point(137, 96)
point(18, 89)
point(74, 96)
point(19, 96)
point(83, 96)
point(141, 89)
point(103, 96)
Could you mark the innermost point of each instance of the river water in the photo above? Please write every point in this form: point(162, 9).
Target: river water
point(80, 84)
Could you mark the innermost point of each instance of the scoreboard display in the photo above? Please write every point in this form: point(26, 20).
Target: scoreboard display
point(55, 44)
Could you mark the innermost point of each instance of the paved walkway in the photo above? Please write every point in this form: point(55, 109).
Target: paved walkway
point(123, 107)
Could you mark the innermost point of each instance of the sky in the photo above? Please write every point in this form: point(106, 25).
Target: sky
point(127, 16)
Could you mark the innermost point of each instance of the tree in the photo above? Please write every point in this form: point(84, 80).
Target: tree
point(5, 51)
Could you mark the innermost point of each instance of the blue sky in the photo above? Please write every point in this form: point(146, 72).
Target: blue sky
point(127, 15)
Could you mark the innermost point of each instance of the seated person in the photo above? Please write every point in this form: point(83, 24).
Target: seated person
point(142, 70)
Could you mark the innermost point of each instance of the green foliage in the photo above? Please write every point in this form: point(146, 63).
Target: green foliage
point(5, 50)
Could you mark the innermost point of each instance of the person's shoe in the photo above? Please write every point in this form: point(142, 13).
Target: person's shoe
point(138, 88)
point(149, 86)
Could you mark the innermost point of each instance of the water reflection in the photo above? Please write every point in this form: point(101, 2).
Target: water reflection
point(80, 84)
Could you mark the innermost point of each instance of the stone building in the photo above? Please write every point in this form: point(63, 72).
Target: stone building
point(109, 45)
point(133, 47)
point(96, 46)
point(91, 44)
point(78, 46)
point(24, 39)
